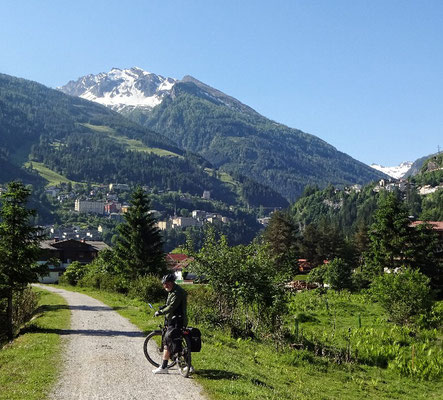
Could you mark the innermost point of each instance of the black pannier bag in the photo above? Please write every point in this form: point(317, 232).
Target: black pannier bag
point(173, 339)
point(196, 339)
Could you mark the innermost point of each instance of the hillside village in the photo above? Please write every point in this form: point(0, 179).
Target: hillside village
point(110, 202)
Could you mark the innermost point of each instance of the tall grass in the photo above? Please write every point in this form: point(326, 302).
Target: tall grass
point(30, 365)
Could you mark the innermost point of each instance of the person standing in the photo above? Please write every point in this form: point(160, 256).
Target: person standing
point(175, 312)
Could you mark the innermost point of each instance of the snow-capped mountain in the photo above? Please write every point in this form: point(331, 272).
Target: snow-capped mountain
point(126, 89)
point(121, 89)
point(396, 172)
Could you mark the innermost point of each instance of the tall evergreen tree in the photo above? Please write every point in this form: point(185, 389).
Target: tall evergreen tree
point(139, 246)
point(19, 246)
point(280, 234)
point(390, 235)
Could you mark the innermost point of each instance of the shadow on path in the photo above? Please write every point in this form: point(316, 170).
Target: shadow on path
point(84, 332)
point(55, 307)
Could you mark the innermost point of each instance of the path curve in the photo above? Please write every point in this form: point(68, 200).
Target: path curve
point(104, 358)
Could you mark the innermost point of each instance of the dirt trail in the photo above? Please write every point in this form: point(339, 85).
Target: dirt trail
point(104, 358)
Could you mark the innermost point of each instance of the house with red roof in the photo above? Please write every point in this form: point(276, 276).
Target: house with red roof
point(177, 263)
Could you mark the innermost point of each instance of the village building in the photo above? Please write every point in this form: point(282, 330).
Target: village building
point(67, 251)
point(118, 186)
point(88, 206)
point(178, 263)
point(112, 207)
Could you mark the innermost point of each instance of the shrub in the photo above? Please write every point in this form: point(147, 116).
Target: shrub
point(91, 279)
point(147, 288)
point(338, 274)
point(318, 275)
point(404, 295)
point(74, 272)
point(201, 306)
point(113, 283)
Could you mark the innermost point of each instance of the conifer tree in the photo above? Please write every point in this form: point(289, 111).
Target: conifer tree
point(19, 246)
point(139, 246)
point(280, 234)
point(390, 235)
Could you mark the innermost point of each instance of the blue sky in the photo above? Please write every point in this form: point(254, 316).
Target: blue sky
point(364, 75)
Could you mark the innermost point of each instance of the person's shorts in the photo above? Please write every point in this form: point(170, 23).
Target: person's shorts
point(173, 339)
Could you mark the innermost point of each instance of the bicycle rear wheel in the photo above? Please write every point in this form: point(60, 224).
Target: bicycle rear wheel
point(184, 357)
point(153, 349)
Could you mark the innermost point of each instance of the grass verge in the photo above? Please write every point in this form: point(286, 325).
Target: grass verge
point(29, 365)
point(231, 369)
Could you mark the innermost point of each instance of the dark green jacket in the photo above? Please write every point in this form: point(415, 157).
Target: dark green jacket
point(176, 305)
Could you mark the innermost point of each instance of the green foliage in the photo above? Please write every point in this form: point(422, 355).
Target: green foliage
point(318, 275)
point(280, 235)
point(432, 206)
point(138, 249)
point(431, 173)
point(248, 288)
point(19, 245)
point(404, 295)
point(24, 305)
point(350, 209)
point(73, 273)
point(345, 327)
point(389, 235)
point(147, 288)
point(339, 274)
point(394, 243)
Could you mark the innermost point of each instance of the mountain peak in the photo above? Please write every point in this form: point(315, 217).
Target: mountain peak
point(219, 96)
point(122, 89)
point(396, 172)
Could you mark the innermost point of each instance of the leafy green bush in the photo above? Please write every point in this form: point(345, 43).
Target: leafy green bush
point(74, 272)
point(113, 283)
point(147, 288)
point(249, 290)
point(338, 274)
point(201, 306)
point(91, 279)
point(318, 275)
point(404, 295)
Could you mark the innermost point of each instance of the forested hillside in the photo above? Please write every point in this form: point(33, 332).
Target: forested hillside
point(238, 140)
point(87, 142)
point(350, 209)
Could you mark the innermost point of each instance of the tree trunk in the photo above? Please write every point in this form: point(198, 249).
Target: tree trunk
point(9, 313)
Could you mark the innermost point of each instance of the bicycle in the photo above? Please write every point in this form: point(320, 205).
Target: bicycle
point(153, 349)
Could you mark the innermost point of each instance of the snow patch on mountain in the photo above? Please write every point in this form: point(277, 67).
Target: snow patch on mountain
point(396, 172)
point(121, 89)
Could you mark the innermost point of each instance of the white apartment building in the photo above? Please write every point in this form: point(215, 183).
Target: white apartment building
point(87, 206)
point(184, 222)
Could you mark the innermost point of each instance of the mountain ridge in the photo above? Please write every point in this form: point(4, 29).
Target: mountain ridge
point(85, 141)
point(235, 138)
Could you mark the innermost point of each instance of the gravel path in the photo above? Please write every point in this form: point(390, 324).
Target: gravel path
point(104, 358)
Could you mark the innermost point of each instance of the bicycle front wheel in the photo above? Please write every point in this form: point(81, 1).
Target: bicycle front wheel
point(184, 357)
point(153, 349)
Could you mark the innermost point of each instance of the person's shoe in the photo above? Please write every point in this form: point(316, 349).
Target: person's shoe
point(160, 370)
point(191, 370)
